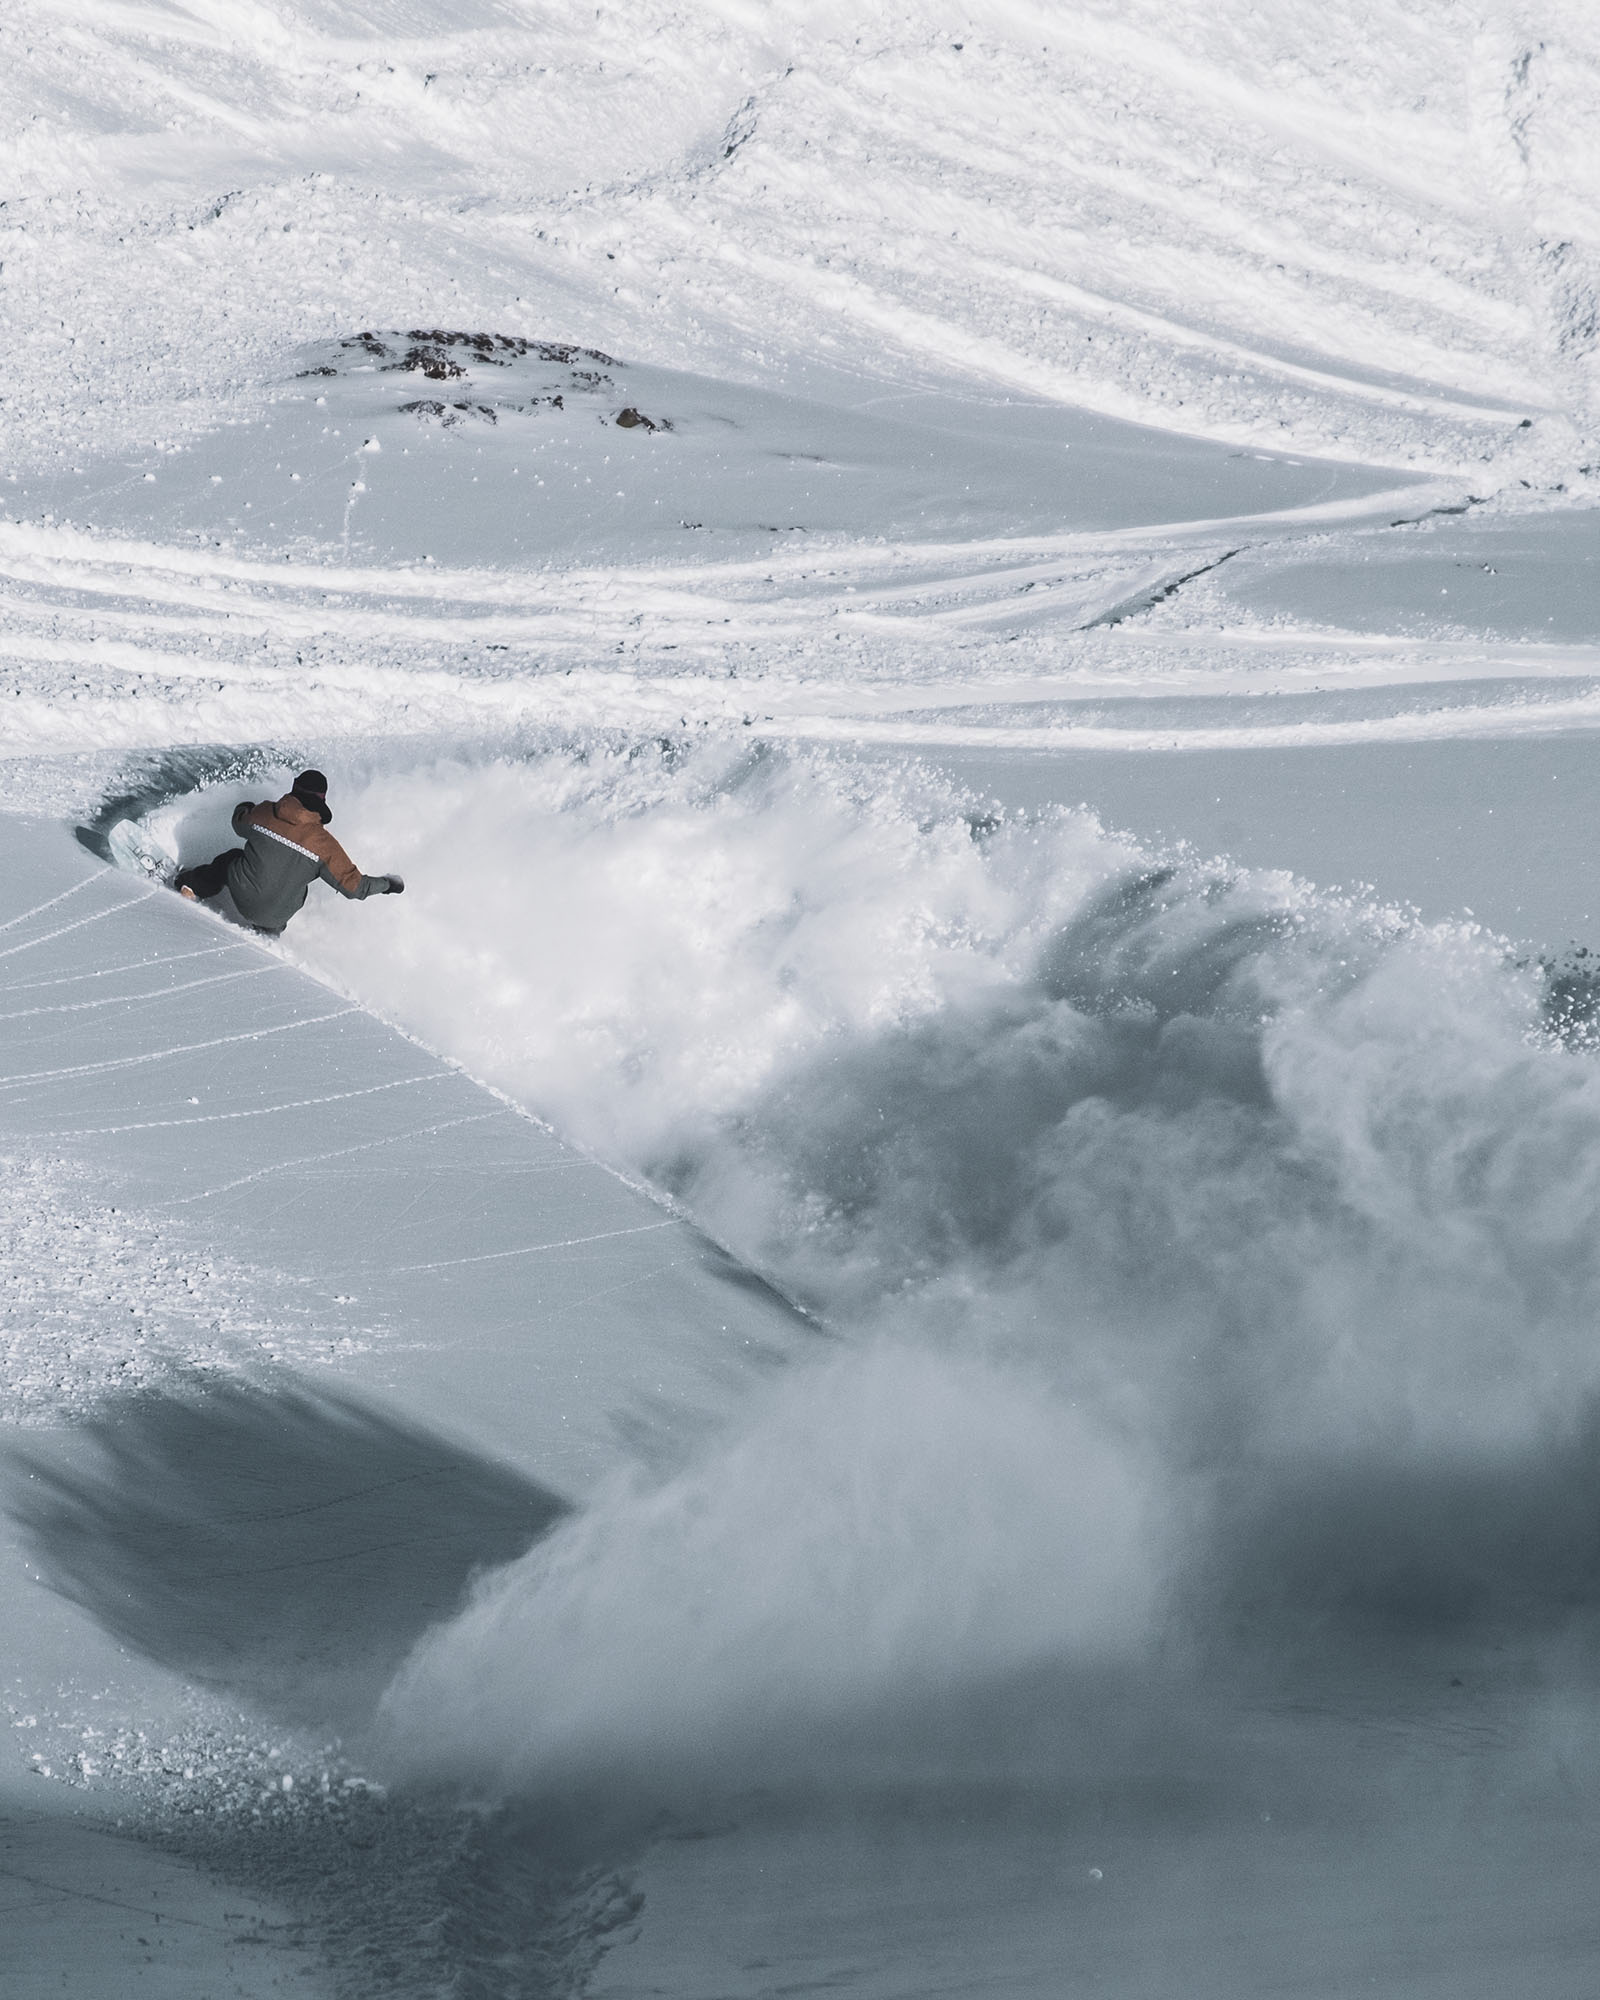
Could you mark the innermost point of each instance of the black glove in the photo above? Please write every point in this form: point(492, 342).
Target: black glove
point(396, 886)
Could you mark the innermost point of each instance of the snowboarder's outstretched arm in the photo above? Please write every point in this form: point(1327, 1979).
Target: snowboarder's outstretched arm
point(341, 873)
point(349, 880)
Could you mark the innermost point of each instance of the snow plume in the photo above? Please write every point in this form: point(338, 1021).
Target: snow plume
point(893, 1525)
point(1166, 1215)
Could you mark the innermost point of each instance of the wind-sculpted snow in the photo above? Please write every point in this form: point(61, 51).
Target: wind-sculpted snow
point(1165, 1212)
point(287, 1544)
point(1362, 229)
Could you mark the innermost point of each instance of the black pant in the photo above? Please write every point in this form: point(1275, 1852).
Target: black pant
point(210, 878)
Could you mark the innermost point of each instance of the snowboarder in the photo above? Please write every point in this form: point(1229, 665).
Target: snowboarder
point(286, 848)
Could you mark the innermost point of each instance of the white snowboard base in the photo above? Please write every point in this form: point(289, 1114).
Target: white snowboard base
point(135, 848)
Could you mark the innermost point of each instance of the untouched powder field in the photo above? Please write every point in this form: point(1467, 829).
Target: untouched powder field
point(926, 1318)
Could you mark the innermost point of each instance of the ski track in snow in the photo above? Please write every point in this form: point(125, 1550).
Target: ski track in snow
point(956, 638)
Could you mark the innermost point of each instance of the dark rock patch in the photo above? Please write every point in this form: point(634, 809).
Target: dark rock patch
point(449, 413)
point(430, 361)
point(533, 376)
point(497, 350)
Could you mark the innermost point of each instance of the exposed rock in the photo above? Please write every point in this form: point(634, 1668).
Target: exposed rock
point(432, 362)
point(449, 413)
point(496, 350)
point(534, 376)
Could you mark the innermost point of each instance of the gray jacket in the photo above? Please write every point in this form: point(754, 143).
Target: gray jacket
point(286, 849)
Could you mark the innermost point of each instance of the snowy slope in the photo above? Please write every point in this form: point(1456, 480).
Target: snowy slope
point(952, 1076)
point(1013, 366)
point(1363, 229)
point(437, 444)
point(164, 1060)
point(220, 1174)
point(632, 448)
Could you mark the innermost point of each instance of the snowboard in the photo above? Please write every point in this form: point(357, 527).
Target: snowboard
point(134, 847)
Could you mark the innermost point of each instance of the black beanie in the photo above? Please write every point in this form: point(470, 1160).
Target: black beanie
point(311, 789)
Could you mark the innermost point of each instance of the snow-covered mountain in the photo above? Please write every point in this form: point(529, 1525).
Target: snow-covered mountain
point(1364, 229)
point(922, 1318)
